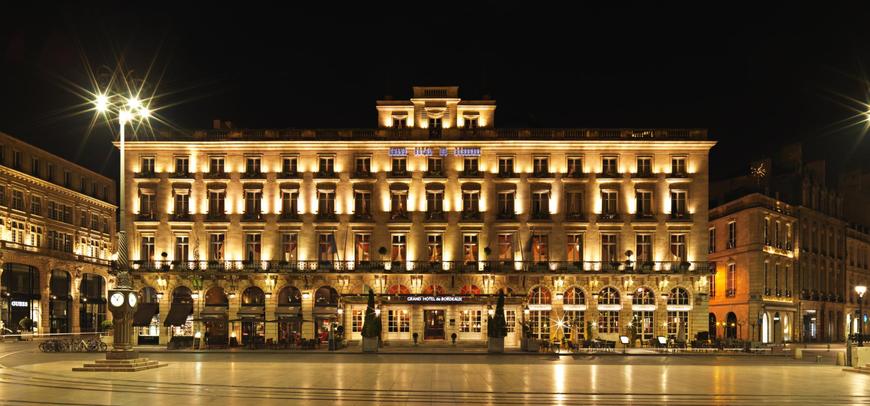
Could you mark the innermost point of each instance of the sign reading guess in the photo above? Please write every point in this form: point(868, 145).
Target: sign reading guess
point(435, 151)
point(434, 299)
point(18, 303)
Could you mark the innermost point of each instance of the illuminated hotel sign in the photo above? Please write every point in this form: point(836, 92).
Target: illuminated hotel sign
point(434, 299)
point(435, 151)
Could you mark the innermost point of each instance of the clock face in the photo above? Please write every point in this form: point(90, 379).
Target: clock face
point(131, 299)
point(117, 299)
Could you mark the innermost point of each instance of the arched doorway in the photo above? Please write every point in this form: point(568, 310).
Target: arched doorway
point(253, 316)
point(147, 317)
point(643, 304)
point(180, 318)
point(93, 302)
point(325, 311)
point(20, 298)
point(574, 314)
point(731, 326)
point(540, 300)
point(214, 317)
point(711, 326)
point(59, 302)
point(289, 314)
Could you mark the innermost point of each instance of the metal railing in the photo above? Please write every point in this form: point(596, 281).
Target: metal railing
point(435, 267)
point(9, 245)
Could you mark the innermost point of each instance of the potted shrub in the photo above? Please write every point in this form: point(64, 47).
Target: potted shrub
point(416, 336)
point(25, 328)
point(371, 326)
point(453, 338)
point(496, 328)
point(106, 329)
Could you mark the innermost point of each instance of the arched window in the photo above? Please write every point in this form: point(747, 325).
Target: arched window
point(608, 296)
point(711, 325)
point(398, 290)
point(540, 295)
point(437, 290)
point(253, 296)
point(289, 296)
point(678, 296)
point(326, 296)
point(574, 296)
point(148, 295)
point(216, 297)
point(182, 294)
point(643, 296)
point(731, 326)
point(59, 285)
point(91, 288)
point(469, 290)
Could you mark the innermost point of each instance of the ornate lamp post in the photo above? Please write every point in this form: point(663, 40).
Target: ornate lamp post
point(860, 290)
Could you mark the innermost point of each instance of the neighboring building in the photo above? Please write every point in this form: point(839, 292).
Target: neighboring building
point(258, 235)
point(752, 242)
point(857, 273)
point(820, 281)
point(57, 222)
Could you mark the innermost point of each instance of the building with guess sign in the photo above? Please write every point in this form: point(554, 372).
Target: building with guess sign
point(57, 222)
point(252, 237)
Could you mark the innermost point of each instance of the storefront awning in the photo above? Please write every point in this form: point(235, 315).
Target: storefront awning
point(144, 313)
point(178, 313)
point(288, 311)
point(213, 312)
point(252, 313)
point(324, 310)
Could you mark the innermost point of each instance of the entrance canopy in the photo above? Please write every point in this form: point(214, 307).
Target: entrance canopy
point(144, 314)
point(178, 314)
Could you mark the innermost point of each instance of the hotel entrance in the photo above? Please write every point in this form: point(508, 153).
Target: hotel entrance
point(434, 321)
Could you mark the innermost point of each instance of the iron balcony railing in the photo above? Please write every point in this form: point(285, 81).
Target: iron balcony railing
point(435, 267)
point(9, 245)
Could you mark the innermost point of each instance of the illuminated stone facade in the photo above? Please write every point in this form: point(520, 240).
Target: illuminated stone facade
point(57, 220)
point(435, 201)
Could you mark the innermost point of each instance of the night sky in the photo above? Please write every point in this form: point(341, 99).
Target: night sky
point(757, 78)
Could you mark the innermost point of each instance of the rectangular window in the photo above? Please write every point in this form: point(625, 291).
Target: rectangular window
point(216, 247)
point(182, 204)
point(644, 165)
point(327, 165)
point(470, 165)
point(2, 195)
point(398, 321)
point(644, 202)
point(541, 203)
point(609, 165)
point(252, 247)
point(252, 166)
point(540, 248)
point(363, 165)
point(713, 286)
point(95, 222)
point(289, 164)
point(470, 321)
point(470, 201)
point(17, 200)
point(216, 201)
point(541, 165)
point(216, 165)
point(678, 203)
point(253, 200)
point(644, 248)
point(435, 165)
point(17, 229)
point(678, 165)
point(434, 203)
point(574, 203)
point(608, 321)
point(326, 202)
point(182, 165)
point(146, 167)
point(678, 325)
point(399, 165)
point(35, 167)
point(49, 175)
point(36, 236)
point(83, 218)
point(608, 248)
point(731, 279)
point(363, 247)
point(398, 203)
point(539, 324)
point(67, 179)
point(575, 166)
point(433, 246)
point(356, 323)
point(506, 165)
point(732, 234)
point(289, 244)
point(469, 248)
point(326, 247)
point(289, 203)
point(182, 248)
point(608, 202)
point(506, 247)
point(575, 247)
point(711, 247)
point(36, 205)
point(397, 253)
point(510, 318)
point(146, 248)
point(678, 247)
point(506, 204)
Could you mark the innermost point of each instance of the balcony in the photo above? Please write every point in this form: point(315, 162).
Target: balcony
point(677, 174)
point(327, 217)
point(181, 175)
point(289, 175)
point(399, 174)
point(644, 218)
point(147, 217)
point(439, 174)
point(217, 217)
point(471, 215)
point(215, 175)
point(13, 246)
point(507, 175)
point(575, 217)
point(362, 217)
point(429, 267)
point(289, 216)
point(643, 175)
point(253, 175)
point(609, 175)
point(474, 174)
point(541, 175)
point(253, 217)
point(506, 216)
point(609, 218)
point(399, 215)
point(145, 175)
point(576, 175)
point(362, 175)
point(435, 216)
point(540, 215)
point(682, 216)
point(181, 217)
point(730, 292)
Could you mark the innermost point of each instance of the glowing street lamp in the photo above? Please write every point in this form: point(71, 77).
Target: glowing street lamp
point(861, 290)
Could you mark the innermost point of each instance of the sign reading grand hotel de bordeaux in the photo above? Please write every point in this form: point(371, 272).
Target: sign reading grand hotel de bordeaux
point(436, 151)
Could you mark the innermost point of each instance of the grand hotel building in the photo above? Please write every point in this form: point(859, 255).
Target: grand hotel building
point(257, 236)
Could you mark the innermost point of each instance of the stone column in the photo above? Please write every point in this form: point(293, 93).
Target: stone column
point(308, 329)
point(271, 328)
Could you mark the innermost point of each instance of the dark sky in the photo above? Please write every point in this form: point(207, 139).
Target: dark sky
point(756, 77)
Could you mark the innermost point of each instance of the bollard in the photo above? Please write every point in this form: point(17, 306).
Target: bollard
point(841, 359)
point(798, 353)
